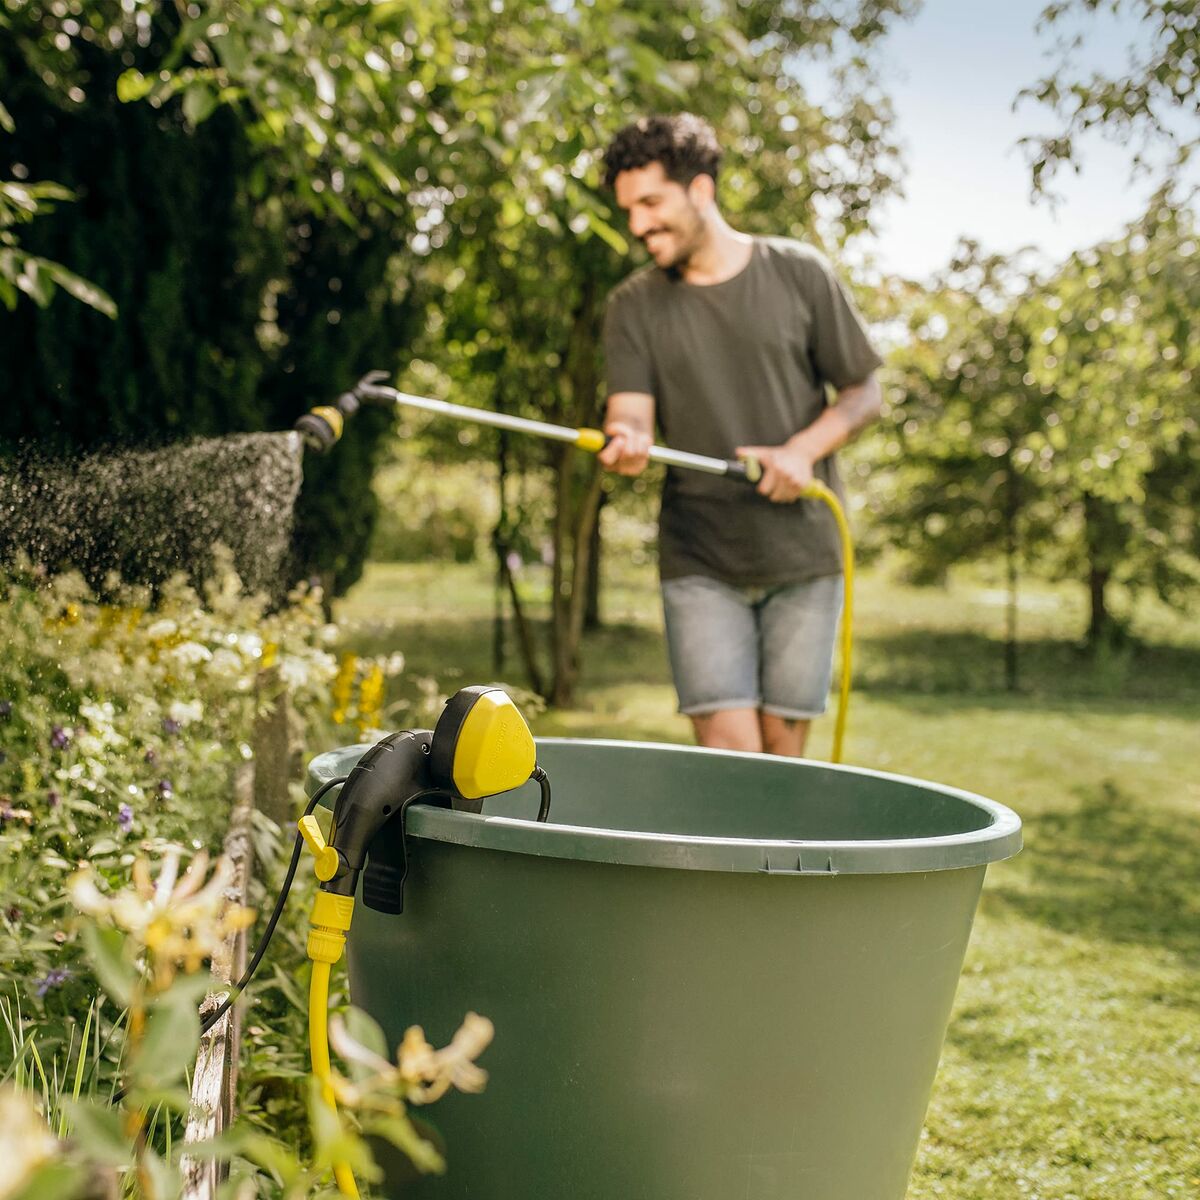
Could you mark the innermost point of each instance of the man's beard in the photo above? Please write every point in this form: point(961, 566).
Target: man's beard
point(689, 242)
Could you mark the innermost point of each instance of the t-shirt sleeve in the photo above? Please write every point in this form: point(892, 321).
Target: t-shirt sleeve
point(841, 347)
point(628, 367)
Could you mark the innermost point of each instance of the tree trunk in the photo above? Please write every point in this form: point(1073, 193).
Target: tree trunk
point(560, 683)
point(524, 633)
point(501, 552)
point(577, 499)
point(591, 613)
point(1011, 509)
point(581, 571)
point(1099, 619)
point(1097, 515)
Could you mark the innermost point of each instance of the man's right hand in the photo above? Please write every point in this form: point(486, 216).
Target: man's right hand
point(628, 451)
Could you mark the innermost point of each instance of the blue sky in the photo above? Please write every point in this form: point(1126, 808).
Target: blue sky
point(953, 74)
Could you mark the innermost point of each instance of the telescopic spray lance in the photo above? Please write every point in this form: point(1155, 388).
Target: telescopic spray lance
point(322, 426)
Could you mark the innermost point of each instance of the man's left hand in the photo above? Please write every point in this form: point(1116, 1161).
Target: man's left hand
point(787, 470)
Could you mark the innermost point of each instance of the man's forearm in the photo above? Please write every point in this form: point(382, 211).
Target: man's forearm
point(857, 406)
point(632, 409)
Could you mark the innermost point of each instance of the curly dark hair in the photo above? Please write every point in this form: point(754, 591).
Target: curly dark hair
point(685, 145)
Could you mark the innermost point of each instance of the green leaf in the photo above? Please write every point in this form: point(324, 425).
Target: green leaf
point(105, 950)
point(383, 172)
point(271, 1155)
point(133, 85)
point(366, 1031)
point(402, 1134)
point(230, 1143)
point(97, 1130)
point(6, 121)
point(56, 1181)
point(34, 282)
point(231, 49)
point(81, 289)
point(199, 101)
point(177, 1099)
point(606, 233)
point(165, 1179)
point(172, 1036)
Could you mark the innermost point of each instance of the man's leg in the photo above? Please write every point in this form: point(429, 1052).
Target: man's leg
point(799, 626)
point(712, 639)
point(730, 729)
point(784, 735)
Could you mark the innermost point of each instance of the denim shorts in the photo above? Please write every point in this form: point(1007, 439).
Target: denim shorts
point(736, 647)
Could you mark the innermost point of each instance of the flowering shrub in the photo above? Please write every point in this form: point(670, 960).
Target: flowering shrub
point(147, 942)
point(122, 720)
point(120, 724)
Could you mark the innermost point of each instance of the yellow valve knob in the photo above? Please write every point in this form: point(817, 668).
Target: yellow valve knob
point(328, 862)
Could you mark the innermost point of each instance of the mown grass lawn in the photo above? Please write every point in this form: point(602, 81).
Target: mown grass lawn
point(1071, 1070)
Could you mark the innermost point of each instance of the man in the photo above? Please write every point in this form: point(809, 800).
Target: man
point(728, 343)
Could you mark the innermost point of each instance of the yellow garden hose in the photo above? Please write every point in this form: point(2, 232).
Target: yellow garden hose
point(326, 938)
point(818, 491)
point(318, 1047)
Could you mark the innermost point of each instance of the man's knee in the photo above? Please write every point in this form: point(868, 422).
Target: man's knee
point(785, 736)
point(729, 729)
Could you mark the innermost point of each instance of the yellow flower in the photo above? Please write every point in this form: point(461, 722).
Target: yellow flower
point(421, 1074)
point(343, 687)
point(430, 1073)
point(181, 922)
point(370, 700)
point(26, 1142)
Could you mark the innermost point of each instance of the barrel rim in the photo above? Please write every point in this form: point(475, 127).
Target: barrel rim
point(1000, 839)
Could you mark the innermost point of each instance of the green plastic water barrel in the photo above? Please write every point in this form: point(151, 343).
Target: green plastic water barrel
point(713, 976)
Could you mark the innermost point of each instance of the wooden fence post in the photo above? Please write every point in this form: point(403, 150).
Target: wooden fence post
point(214, 1079)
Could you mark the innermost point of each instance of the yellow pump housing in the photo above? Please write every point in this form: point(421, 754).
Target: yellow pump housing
point(493, 750)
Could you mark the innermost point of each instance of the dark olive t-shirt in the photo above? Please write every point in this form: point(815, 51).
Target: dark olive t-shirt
point(744, 362)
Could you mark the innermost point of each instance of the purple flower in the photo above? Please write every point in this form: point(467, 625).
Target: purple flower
point(125, 818)
point(53, 978)
point(53, 798)
point(150, 756)
point(165, 789)
point(170, 725)
point(5, 709)
point(60, 739)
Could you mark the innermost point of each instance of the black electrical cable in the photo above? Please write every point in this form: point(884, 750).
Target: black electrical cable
point(298, 849)
point(544, 782)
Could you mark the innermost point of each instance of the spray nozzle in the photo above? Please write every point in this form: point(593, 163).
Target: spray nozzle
point(480, 747)
point(322, 426)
